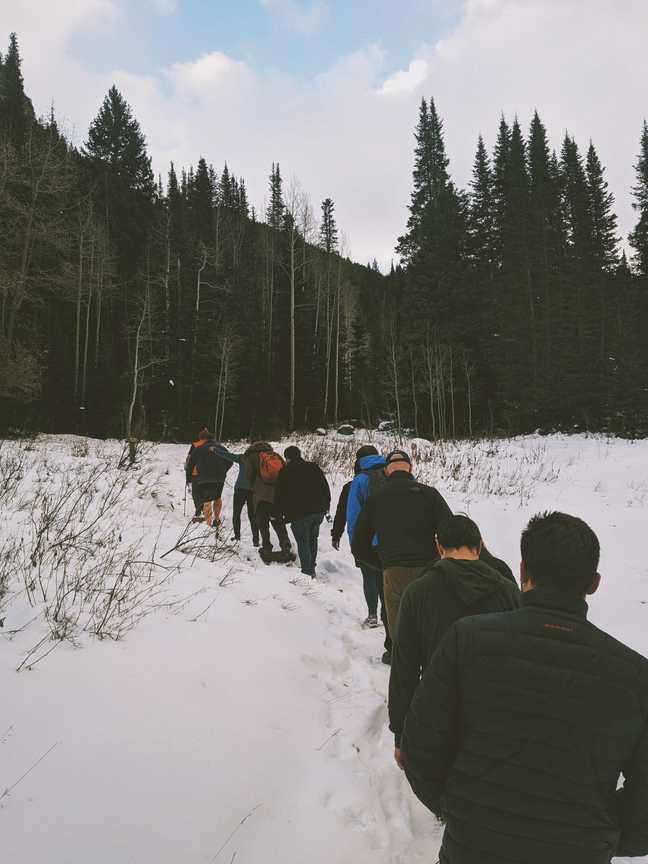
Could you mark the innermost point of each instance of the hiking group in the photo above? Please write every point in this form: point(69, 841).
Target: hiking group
point(277, 491)
point(514, 718)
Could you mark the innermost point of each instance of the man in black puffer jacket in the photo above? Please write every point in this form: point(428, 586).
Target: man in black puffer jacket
point(404, 515)
point(524, 721)
point(303, 498)
point(458, 585)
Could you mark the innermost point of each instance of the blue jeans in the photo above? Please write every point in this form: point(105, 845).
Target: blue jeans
point(306, 531)
point(372, 583)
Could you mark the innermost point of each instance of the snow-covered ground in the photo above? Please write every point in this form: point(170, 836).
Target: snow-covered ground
point(241, 714)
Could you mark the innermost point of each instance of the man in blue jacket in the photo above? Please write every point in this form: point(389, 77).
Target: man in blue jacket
point(369, 477)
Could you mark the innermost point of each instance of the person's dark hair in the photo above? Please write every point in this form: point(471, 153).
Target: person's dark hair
point(204, 434)
point(561, 552)
point(292, 452)
point(455, 532)
point(366, 450)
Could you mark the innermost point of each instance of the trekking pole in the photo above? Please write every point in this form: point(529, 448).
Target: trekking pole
point(184, 505)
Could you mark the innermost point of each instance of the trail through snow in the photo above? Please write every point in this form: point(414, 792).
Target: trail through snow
point(249, 724)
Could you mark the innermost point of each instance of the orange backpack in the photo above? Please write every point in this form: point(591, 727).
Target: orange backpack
point(270, 464)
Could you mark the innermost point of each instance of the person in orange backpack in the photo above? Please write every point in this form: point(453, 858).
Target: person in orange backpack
point(263, 466)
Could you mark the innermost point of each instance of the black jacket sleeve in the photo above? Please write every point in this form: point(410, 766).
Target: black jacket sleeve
point(283, 492)
point(325, 490)
point(429, 741)
point(633, 803)
point(190, 462)
point(441, 509)
point(361, 547)
point(405, 665)
point(339, 522)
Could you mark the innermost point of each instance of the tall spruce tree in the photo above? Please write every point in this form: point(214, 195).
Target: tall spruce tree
point(16, 110)
point(121, 169)
point(639, 235)
point(328, 228)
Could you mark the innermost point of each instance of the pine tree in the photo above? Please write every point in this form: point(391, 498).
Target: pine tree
point(276, 207)
point(480, 214)
point(16, 110)
point(116, 155)
point(201, 204)
point(639, 236)
point(603, 220)
point(328, 228)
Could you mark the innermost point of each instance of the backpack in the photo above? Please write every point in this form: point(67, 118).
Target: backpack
point(377, 479)
point(270, 465)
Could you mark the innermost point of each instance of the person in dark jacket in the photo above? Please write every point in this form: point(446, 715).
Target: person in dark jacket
point(524, 721)
point(303, 498)
point(459, 584)
point(206, 467)
point(242, 497)
point(404, 516)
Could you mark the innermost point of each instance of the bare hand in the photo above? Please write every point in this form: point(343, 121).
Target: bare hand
point(397, 757)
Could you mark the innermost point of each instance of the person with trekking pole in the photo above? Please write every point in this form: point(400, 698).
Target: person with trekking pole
point(205, 469)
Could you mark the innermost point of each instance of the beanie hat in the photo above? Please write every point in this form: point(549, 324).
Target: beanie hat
point(398, 456)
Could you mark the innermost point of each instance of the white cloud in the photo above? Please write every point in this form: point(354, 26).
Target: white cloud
point(305, 17)
point(408, 80)
point(347, 132)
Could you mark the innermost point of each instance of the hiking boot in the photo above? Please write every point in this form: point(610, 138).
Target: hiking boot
point(386, 658)
point(370, 621)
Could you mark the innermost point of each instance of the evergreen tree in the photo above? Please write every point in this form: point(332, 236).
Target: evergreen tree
point(328, 228)
point(481, 229)
point(639, 235)
point(121, 168)
point(276, 207)
point(201, 204)
point(16, 110)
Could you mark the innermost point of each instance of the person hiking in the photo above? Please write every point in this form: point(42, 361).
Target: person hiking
point(205, 470)
point(459, 584)
point(402, 516)
point(524, 721)
point(302, 499)
point(242, 497)
point(262, 467)
point(368, 477)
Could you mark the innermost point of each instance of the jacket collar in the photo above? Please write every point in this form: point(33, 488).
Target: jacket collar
point(549, 598)
point(401, 475)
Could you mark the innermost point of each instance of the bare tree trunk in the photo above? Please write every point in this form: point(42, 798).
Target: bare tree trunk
point(136, 368)
point(468, 393)
point(219, 393)
point(414, 396)
point(452, 405)
point(291, 413)
point(394, 358)
point(84, 377)
point(337, 343)
point(203, 264)
point(77, 336)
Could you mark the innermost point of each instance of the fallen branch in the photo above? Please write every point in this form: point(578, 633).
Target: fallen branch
point(9, 789)
point(241, 823)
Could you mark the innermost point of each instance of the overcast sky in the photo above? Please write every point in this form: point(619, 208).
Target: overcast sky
point(330, 88)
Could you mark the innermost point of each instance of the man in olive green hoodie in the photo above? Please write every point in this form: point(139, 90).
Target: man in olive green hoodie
point(452, 588)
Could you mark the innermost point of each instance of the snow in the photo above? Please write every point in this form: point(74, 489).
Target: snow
point(244, 718)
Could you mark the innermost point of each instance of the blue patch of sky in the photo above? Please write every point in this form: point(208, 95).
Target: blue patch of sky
point(265, 36)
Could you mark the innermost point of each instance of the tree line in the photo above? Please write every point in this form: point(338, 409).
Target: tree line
point(519, 308)
point(140, 306)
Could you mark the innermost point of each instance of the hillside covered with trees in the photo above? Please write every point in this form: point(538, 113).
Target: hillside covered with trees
point(136, 305)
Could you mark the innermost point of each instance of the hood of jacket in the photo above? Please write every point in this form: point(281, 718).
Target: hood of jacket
point(259, 447)
point(471, 581)
point(369, 462)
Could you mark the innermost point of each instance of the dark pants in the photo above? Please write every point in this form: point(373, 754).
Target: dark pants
point(203, 492)
point(243, 498)
point(264, 518)
point(372, 583)
point(306, 531)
